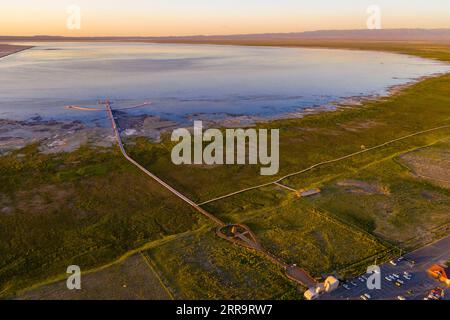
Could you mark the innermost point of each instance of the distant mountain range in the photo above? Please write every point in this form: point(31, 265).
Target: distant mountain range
point(357, 35)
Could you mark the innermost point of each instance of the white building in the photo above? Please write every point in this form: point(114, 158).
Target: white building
point(331, 284)
point(311, 294)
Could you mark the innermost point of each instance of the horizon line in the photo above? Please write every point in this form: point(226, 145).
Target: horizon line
point(229, 35)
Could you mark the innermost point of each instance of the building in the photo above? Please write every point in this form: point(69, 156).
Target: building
point(331, 284)
point(311, 294)
point(310, 192)
point(439, 272)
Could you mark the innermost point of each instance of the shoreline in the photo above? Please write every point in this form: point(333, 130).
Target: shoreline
point(153, 126)
point(398, 47)
point(56, 136)
point(13, 49)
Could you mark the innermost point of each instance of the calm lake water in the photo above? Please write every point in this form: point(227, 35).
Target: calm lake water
point(187, 80)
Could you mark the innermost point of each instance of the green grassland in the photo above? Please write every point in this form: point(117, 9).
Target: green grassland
point(301, 234)
point(86, 208)
point(202, 266)
point(131, 278)
point(90, 207)
point(405, 213)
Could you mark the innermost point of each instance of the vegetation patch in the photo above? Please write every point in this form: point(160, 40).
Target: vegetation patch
point(303, 235)
point(203, 266)
point(131, 279)
point(100, 209)
point(431, 164)
point(407, 215)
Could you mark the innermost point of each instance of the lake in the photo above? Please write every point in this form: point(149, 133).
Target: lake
point(194, 81)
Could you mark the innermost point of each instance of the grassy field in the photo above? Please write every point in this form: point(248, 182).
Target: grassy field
point(301, 234)
point(86, 208)
point(131, 279)
point(388, 200)
point(203, 266)
point(89, 207)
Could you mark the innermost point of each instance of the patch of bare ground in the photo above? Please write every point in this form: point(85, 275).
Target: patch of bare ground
point(356, 126)
point(432, 196)
point(53, 136)
point(132, 279)
point(5, 204)
point(363, 187)
point(43, 199)
point(431, 164)
point(145, 125)
point(7, 49)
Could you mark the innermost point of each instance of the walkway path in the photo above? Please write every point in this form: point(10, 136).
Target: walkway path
point(294, 273)
point(151, 175)
point(277, 182)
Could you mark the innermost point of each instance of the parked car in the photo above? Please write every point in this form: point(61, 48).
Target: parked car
point(393, 262)
point(436, 294)
point(411, 263)
point(401, 298)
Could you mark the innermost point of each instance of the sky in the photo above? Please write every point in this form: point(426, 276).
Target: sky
point(209, 17)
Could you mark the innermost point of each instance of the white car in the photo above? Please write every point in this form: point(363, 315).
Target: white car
point(401, 298)
point(393, 262)
point(367, 295)
point(396, 275)
point(400, 281)
point(388, 279)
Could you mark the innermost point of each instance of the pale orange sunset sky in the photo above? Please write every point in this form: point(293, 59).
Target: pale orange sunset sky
point(188, 17)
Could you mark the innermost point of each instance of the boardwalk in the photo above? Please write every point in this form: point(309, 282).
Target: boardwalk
point(154, 177)
point(247, 238)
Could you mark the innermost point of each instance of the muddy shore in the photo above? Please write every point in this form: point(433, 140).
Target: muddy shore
point(8, 49)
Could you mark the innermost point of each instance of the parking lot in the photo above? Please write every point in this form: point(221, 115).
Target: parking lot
point(413, 281)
